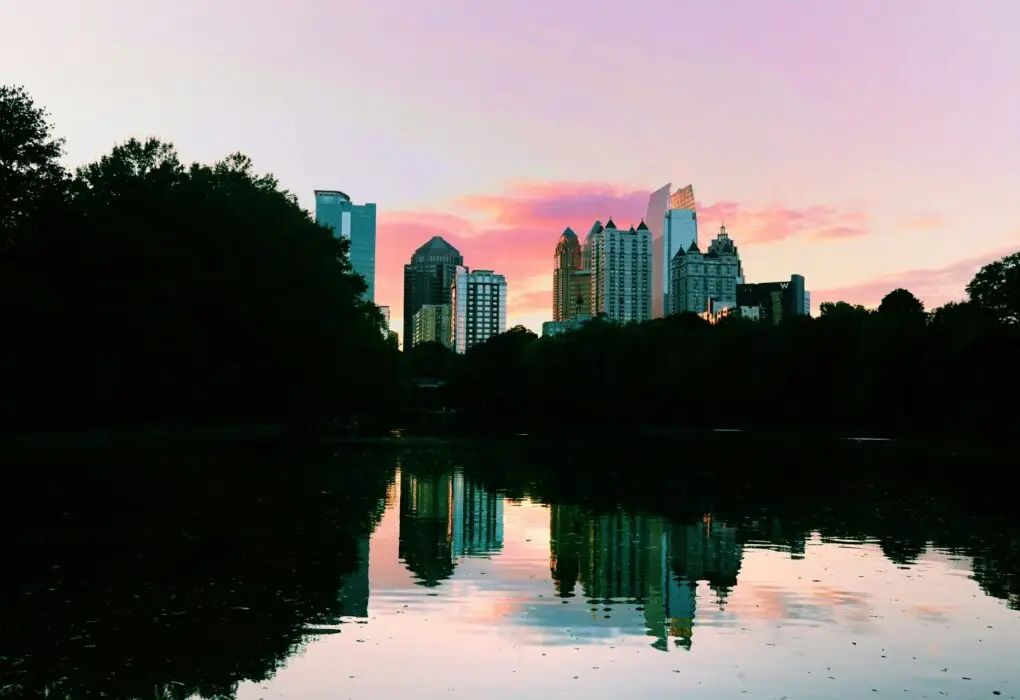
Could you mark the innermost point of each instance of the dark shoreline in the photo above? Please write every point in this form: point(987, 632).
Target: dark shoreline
point(59, 443)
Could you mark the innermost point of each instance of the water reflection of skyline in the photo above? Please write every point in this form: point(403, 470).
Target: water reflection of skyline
point(633, 573)
point(444, 517)
point(645, 562)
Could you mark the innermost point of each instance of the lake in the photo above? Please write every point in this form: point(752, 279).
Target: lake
point(441, 574)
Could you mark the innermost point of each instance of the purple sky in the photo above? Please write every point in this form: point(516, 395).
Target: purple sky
point(892, 121)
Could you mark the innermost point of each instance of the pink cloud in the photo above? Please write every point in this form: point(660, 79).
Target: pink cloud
point(933, 286)
point(558, 205)
point(514, 232)
point(775, 223)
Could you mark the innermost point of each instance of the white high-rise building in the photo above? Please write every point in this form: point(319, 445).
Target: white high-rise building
point(478, 307)
point(621, 272)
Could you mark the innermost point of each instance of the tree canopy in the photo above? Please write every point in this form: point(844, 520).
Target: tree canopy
point(896, 369)
point(140, 289)
point(154, 291)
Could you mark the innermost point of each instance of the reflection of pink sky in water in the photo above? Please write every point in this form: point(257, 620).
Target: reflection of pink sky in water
point(835, 624)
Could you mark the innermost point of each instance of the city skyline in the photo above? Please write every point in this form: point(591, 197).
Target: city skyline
point(861, 172)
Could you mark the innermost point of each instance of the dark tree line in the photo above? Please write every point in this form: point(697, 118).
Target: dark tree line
point(896, 369)
point(138, 289)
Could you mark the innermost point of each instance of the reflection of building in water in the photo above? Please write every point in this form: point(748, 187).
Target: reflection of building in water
point(354, 589)
point(620, 558)
point(708, 551)
point(443, 516)
point(425, 532)
point(477, 519)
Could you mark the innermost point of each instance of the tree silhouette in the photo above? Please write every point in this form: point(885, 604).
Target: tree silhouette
point(29, 161)
point(147, 291)
point(996, 288)
point(903, 306)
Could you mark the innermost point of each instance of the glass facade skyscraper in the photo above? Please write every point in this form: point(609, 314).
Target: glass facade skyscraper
point(673, 221)
point(658, 205)
point(427, 280)
point(355, 222)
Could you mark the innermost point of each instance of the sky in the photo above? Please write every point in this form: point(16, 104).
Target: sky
point(865, 144)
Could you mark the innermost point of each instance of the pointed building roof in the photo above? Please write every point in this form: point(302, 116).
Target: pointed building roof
point(610, 224)
point(642, 226)
point(679, 253)
point(693, 247)
point(569, 233)
point(595, 228)
point(437, 246)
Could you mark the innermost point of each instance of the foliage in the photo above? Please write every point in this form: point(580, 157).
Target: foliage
point(897, 369)
point(996, 287)
point(150, 291)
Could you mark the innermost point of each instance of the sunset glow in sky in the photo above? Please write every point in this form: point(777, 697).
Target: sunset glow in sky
point(866, 144)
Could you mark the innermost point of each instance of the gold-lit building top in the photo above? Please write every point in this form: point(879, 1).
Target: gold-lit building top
point(683, 198)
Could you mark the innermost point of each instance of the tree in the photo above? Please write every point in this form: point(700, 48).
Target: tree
point(29, 160)
point(842, 309)
point(996, 288)
point(901, 304)
point(188, 293)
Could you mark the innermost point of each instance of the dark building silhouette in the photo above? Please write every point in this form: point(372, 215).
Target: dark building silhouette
point(771, 302)
point(427, 280)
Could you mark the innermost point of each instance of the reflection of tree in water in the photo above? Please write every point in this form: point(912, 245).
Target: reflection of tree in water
point(426, 527)
point(997, 568)
point(566, 531)
point(147, 583)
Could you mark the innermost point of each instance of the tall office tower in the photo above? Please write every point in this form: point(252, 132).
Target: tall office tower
point(355, 222)
point(706, 283)
point(679, 232)
point(427, 280)
point(432, 325)
point(621, 285)
point(655, 215)
point(571, 284)
point(478, 307)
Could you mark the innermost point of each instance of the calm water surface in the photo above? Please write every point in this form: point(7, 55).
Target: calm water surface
point(463, 592)
point(417, 575)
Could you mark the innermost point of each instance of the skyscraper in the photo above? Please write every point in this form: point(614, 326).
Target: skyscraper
point(355, 222)
point(478, 307)
point(621, 272)
point(673, 221)
point(427, 280)
point(432, 325)
point(571, 282)
point(658, 205)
